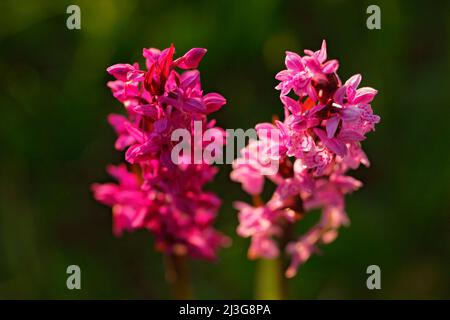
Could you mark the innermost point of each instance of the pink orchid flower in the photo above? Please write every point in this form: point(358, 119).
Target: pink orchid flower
point(320, 141)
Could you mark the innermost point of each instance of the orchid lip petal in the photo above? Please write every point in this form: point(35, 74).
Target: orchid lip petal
point(332, 125)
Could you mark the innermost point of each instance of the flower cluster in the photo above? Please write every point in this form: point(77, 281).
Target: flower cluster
point(152, 192)
point(314, 147)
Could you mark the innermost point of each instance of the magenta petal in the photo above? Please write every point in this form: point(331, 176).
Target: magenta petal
point(263, 246)
point(330, 66)
point(291, 104)
point(177, 103)
point(252, 181)
point(340, 94)
point(194, 105)
point(322, 56)
point(350, 113)
point(139, 151)
point(333, 144)
point(350, 136)
point(267, 130)
point(135, 75)
point(336, 146)
point(311, 93)
point(105, 193)
point(191, 59)
point(354, 81)
point(120, 70)
point(123, 141)
point(132, 153)
point(213, 101)
point(348, 183)
point(294, 61)
point(161, 125)
point(134, 132)
point(190, 79)
point(332, 124)
point(117, 121)
point(364, 95)
point(151, 54)
point(282, 75)
point(147, 110)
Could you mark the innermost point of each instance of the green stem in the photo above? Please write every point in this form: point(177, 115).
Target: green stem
point(177, 276)
point(270, 281)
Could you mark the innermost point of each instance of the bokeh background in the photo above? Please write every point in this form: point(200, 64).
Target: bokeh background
point(55, 141)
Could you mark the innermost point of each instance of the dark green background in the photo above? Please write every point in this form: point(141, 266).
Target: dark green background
point(55, 141)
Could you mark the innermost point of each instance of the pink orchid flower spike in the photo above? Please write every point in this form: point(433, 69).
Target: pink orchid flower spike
point(317, 143)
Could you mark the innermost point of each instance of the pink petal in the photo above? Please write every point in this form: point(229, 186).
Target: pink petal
point(322, 56)
point(161, 125)
point(194, 105)
point(340, 94)
point(332, 124)
point(350, 136)
point(151, 54)
point(191, 59)
point(213, 102)
point(283, 75)
point(124, 141)
point(117, 121)
point(330, 67)
point(120, 70)
point(291, 104)
point(147, 110)
point(350, 113)
point(134, 132)
point(364, 95)
point(294, 61)
point(334, 144)
point(190, 79)
point(138, 151)
point(354, 81)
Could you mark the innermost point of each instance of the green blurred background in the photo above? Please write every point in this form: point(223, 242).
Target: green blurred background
point(55, 141)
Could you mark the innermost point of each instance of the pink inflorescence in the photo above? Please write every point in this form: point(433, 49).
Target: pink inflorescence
point(318, 142)
point(152, 192)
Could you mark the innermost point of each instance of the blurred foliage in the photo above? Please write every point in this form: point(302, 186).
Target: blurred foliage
point(55, 141)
